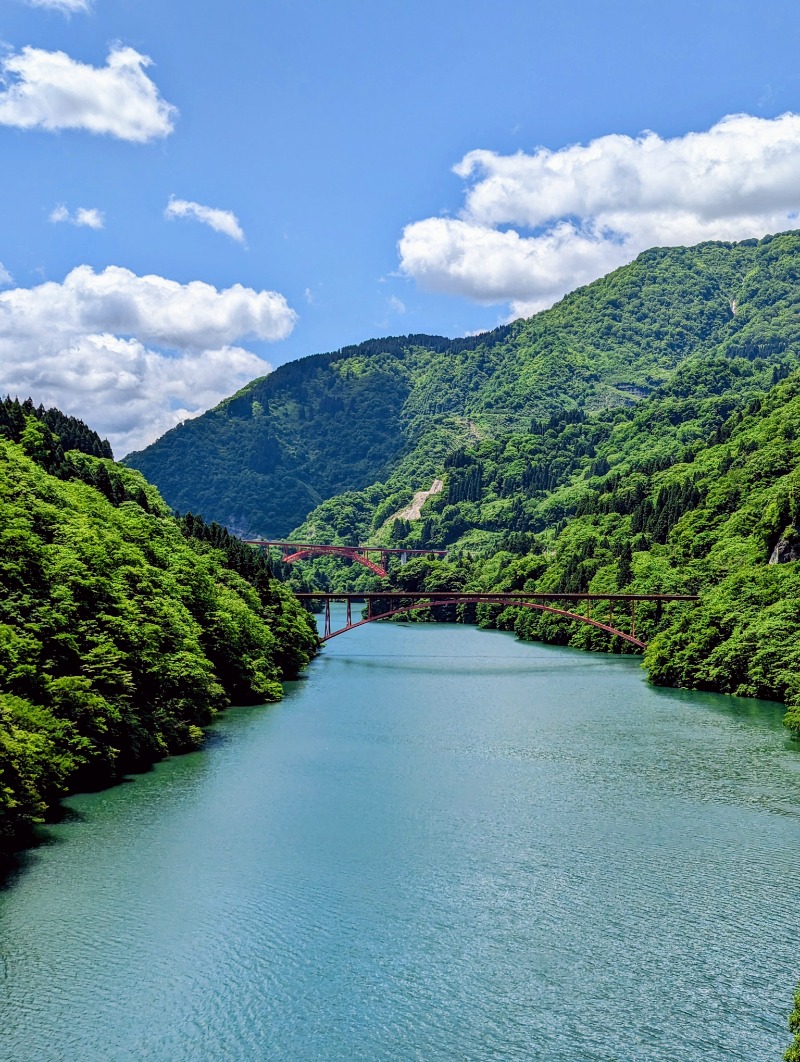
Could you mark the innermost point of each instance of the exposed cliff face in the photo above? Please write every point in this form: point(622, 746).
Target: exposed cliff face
point(787, 548)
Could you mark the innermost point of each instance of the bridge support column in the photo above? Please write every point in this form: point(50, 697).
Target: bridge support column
point(327, 631)
point(633, 618)
point(349, 613)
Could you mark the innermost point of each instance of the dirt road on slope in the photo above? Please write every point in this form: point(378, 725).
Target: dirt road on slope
point(413, 512)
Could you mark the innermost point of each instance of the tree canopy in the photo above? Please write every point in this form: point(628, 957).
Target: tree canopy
point(123, 630)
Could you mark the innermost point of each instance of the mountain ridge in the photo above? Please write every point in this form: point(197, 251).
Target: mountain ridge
point(262, 459)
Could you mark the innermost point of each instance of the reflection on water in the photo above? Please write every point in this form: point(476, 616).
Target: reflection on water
point(442, 845)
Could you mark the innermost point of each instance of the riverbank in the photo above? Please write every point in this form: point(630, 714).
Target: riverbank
point(123, 629)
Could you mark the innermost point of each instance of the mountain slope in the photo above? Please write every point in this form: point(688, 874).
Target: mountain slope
point(723, 521)
point(122, 630)
point(263, 459)
point(693, 489)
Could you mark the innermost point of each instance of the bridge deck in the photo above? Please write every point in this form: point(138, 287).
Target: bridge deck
point(325, 547)
point(400, 602)
point(483, 598)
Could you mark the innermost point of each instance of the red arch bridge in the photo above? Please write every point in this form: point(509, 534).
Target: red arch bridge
point(564, 605)
point(295, 551)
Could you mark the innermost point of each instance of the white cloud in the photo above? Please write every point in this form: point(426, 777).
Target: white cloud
point(67, 6)
point(396, 304)
point(5, 276)
point(133, 355)
point(83, 217)
point(536, 226)
point(90, 217)
point(51, 91)
point(224, 221)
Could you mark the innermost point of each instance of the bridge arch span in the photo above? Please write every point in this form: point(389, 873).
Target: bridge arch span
point(337, 551)
point(505, 603)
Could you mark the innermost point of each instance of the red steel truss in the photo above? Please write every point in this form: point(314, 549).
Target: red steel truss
point(401, 603)
point(295, 551)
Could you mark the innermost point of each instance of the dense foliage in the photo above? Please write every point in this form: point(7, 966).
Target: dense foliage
point(57, 432)
point(692, 489)
point(641, 436)
point(122, 629)
point(392, 409)
point(313, 428)
point(708, 523)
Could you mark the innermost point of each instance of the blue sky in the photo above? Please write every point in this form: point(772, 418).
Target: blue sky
point(325, 135)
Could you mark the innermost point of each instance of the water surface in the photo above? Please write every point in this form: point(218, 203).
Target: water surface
point(442, 845)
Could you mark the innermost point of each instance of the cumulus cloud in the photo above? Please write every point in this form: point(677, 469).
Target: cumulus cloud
point(83, 217)
point(51, 91)
point(5, 276)
point(67, 6)
point(535, 226)
point(133, 355)
point(224, 221)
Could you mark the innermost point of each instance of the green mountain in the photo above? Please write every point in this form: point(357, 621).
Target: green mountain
point(122, 629)
point(639, 436)
point(263, 459)
point(722, 519)
point(643, 435)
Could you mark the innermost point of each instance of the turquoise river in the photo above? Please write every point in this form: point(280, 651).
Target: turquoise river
point(442, 845)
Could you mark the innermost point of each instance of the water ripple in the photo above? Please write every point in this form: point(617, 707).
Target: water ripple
point(481, 851)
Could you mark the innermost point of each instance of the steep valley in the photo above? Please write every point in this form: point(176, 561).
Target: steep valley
point(639, 436)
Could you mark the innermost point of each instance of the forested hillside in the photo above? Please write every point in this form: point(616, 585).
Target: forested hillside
point(709, 522)
point(122, 629)
point(264, 458)
point(641, 435)
point(694, 489)
point(394, 408)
